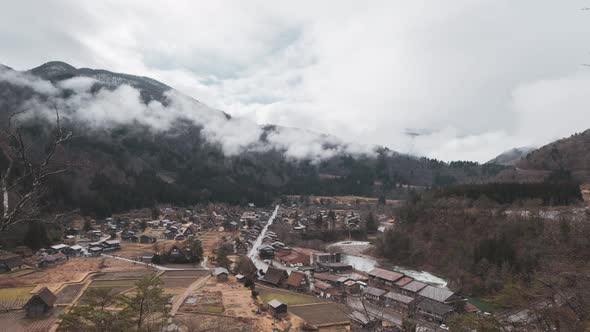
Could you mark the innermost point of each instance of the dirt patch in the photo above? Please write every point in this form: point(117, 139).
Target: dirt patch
point(202, 323)
point(178, 282)
point(322, 314)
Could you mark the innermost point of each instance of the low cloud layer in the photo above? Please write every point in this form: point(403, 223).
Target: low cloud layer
point(123, 105)
point(476, 76)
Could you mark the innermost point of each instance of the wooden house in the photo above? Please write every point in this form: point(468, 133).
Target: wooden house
point(40, 303)
point(277, 308)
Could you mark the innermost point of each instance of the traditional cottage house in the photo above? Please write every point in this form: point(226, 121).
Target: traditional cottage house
point(399, 302)
point(360, 322)
point(436, 304)
point(384, 279)
point(40, 303)
point(221, 274)
point(10, 262)
point(147, 239)
point(275, 276)
point(297, 281)
point(176, 254)
point(412, 288)
point(277, 308)
point(240, 247)
point(374, 294)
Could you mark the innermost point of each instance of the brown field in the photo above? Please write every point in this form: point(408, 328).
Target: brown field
point(18, 273)
point(15, 321)
point(69, 293)
point(73, 270)
point(291, 298)
point(178, 282)
point(194, 273)
point(322, 314)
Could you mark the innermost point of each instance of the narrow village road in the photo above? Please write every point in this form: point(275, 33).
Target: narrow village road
point(253, 253)
point(182, 297)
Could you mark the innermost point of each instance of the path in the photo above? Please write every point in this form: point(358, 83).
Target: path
point(182, 297)
point(253, 253)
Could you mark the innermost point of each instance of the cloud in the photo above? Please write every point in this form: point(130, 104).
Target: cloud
point(475, 75)
point(24, 80)
point(123, 105)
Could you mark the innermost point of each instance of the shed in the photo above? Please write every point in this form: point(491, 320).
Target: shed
point(221, 273)
point(277, 307)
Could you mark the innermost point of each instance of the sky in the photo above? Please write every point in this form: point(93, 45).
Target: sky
point(473, 77)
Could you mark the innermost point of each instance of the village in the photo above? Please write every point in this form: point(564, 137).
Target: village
point(299, 265)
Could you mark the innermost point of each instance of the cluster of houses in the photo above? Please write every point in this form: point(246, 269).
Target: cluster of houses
point(404, 294)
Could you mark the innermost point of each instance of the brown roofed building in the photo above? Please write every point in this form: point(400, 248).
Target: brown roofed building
point(298, 281)
point(9, 262)
point(40, 303)
point(275, 276)
point(384, 279)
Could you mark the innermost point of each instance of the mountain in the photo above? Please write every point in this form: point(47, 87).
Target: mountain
point(570, 154)
point(511, 157)
point(138, 142)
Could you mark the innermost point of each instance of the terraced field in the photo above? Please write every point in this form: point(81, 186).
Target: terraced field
point(69, 293)
point(14, 297)
point(322, 314)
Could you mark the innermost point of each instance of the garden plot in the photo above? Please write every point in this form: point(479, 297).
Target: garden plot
point(206, 302)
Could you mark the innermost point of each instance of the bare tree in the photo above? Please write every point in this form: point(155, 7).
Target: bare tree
point(24, 173)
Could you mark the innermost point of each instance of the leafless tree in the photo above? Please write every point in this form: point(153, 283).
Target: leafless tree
point(25, 169)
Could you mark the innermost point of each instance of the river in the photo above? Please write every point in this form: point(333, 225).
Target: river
point(352, 254)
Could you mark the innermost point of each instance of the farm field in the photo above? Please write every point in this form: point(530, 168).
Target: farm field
point(15, 321)
point(193, 273)
point(290, 298)
point(69, 293)
point(322, 314)
point(177, 282)
point(123, 275)
point(14, 297)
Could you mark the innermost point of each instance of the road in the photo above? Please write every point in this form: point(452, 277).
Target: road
point(253, 253)
point(182, 297)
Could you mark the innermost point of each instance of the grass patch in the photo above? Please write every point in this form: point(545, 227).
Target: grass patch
point(214, 309)
point(482, 304)
point(285, 297)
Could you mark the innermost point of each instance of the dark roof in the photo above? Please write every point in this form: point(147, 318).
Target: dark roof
point(11, 260)
point(326, 277)
point(295, 278)
point(274, 275)
point(435, 307)
point(386, 274)
point(414, 286)
point(374, 291)
point(360, 317)
point(399, 297)
point(437, 294)
point(45, 295)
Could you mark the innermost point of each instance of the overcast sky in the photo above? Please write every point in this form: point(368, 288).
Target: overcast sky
point(474, 77)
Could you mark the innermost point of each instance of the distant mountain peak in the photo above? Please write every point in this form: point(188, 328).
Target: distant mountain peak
point(512, 156)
